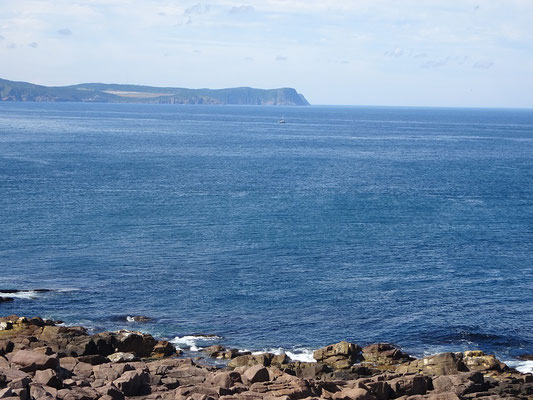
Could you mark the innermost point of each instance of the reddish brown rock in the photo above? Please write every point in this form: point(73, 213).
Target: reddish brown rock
point(257, 373)
point(29, 361)
point(48, 377)
point(133, 383)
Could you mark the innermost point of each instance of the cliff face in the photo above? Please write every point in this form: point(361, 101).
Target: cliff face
point(111, 93)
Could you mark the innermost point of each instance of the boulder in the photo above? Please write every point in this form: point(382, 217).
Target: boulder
point(225, 379)
point(439, 364)
point(341, 355)
point(460, 384)
point(29, 361)
point(48, 377)
point(257, 373)
point(133, 383)
point(121, 357)
point(477, 360)
point(112, 391)
point(384, 355)
point(410, 385)
point(140, 344)
point(38, 391)
point(249, 360)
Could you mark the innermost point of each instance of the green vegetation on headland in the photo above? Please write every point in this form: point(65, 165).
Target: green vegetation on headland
point(112, 93)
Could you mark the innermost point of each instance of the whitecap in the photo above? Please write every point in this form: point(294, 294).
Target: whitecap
point(296, 354)
point(130, 319)
point(190, 342)
point(23, 294)
point(524, 367)
point(301, 354)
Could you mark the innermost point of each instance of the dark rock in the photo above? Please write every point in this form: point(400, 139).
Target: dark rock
point(94, 359)
point(6, 346)
point(138, 318)
point(133, 383)
point(5, 393)
point(526, 357)
point(6, 299)
point(112, 391)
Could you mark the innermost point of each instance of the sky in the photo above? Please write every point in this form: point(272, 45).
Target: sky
point(458, 53)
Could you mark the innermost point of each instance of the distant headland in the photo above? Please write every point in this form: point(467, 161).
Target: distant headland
point(113, 93)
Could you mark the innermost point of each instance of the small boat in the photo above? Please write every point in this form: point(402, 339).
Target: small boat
point(282, 120)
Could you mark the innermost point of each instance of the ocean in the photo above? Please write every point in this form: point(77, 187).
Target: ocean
point(368, 224)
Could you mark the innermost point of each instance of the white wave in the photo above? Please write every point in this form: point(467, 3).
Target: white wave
point(25, 294)
point(190, 342)
point(522, 366)
point(130, 319)
point(301, 354)
point(297, 354)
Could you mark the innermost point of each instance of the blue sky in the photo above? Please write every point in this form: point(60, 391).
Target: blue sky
point(360, 52)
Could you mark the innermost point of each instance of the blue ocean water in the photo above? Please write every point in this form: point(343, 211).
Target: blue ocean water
point(407, 225)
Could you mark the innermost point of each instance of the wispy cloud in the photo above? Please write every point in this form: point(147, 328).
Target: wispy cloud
point(483, 64)
point(33, 45)
point(242, 9)
point(281, 58)
point(396, 52)
point(64, 32)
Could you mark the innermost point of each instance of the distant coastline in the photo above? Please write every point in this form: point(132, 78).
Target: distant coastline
point(114, 93)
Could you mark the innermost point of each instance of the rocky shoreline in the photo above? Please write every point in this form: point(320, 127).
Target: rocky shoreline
point(40, 359)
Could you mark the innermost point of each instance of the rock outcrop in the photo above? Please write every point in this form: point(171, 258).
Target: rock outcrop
point(36, 365)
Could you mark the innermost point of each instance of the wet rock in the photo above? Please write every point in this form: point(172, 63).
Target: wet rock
point(138, 318)
point(29, 361)
point(6, 300)
point(214, 351)
point(526, 357)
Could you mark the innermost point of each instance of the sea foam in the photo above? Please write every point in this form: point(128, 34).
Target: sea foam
point(192, 342)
